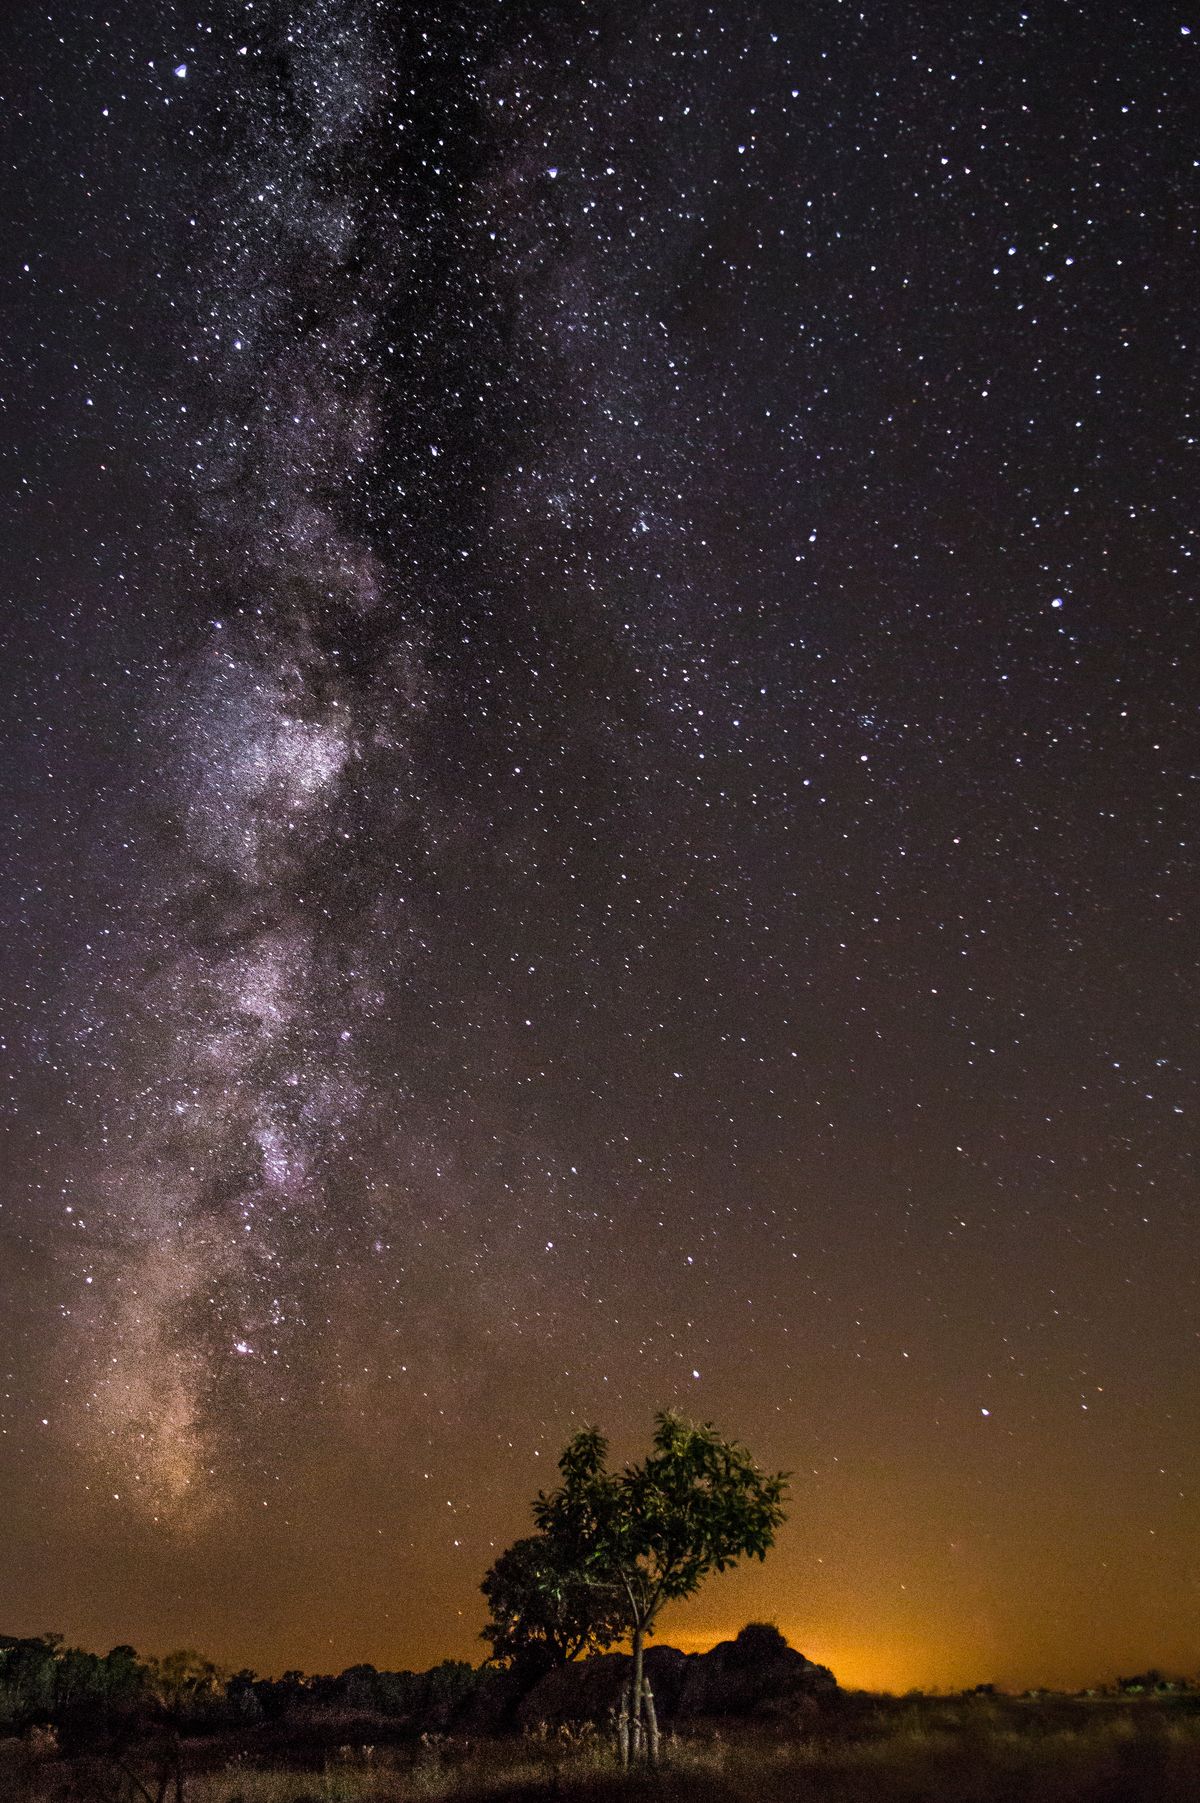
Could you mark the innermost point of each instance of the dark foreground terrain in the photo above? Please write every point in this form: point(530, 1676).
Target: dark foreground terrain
point(863, 1750)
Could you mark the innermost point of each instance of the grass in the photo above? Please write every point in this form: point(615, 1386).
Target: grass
point(965, 1751)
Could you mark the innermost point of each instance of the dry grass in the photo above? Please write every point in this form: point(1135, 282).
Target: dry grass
point(977, 1752)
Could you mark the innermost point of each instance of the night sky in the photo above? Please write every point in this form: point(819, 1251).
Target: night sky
point(599, 775)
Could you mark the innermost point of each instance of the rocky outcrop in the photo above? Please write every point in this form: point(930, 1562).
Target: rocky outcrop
point(757, 1675)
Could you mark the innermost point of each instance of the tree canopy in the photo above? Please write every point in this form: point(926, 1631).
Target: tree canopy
point(544, 1612)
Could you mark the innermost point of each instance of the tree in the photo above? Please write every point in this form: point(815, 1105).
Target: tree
point(125, 1677)
point(544, 1611)
point(27, 1669)
point(184, 1683)
point(652, 1533)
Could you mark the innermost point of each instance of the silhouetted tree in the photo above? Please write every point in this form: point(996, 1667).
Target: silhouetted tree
point(185, 1684)
point(28, 1678)
point(125, 1677)
point(242, 1696)
point(651, 1534)
point(544, 1610)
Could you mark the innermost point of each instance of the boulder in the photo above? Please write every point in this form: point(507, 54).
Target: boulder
point(586, 1691)
point(757, 1675)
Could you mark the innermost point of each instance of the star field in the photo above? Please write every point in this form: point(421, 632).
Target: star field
point(600, 771)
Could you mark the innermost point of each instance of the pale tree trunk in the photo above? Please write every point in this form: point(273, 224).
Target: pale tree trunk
point(623, 1726)
point(651, 1723)
point(636, 1725)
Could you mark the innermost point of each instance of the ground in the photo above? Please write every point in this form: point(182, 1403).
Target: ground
point(871, 1750)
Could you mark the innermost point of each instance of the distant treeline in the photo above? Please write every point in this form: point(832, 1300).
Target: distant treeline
point(44, 1683)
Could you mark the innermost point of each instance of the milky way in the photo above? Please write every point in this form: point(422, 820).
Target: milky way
point(252, 1082)
point(600, 770)
point(303, 834)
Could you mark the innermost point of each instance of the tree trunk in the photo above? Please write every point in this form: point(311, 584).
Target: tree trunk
point(636, 1725)
point(651, 1723)
point(623, 1726)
